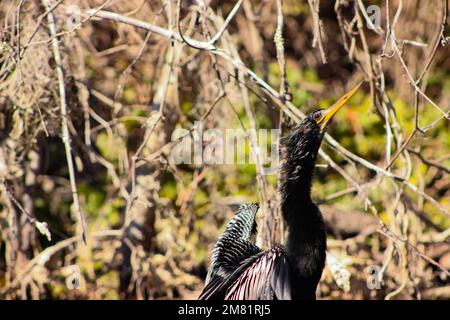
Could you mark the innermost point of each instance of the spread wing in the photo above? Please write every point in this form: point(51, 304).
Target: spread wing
point(232, 248)
point(264, 277)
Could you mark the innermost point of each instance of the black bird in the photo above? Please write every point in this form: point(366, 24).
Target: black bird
point(240, 270)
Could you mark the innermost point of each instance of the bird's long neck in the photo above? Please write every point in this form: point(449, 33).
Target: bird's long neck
point(300, 155)
point(305, 241)
point(300, 213)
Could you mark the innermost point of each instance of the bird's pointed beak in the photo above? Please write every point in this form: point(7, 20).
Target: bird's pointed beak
point(331, 111)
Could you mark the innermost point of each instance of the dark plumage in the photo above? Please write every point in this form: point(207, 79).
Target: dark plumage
point(234, 244)
point(239, 269)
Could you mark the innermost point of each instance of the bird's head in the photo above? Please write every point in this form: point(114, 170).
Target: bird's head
point(305, 140)
point(321, 118)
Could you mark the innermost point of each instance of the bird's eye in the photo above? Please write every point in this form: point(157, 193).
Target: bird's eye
point(317, 115)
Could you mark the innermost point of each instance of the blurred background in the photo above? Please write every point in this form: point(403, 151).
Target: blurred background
point(88, 107)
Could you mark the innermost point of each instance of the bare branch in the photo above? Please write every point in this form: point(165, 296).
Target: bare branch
point(64, 118)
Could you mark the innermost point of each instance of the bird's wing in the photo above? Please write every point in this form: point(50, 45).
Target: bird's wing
point(232, 253)
point(231, 249)
point(222, 271)
point(234, 244)
point(243, 225)
point(265, 276)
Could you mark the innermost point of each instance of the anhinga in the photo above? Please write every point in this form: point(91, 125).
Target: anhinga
point(239, 269)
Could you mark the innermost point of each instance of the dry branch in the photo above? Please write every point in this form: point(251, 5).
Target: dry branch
point(64, 118)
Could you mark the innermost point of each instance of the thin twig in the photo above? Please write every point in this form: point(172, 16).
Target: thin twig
point(279, 44)
point(317, 41)
point(64, 118)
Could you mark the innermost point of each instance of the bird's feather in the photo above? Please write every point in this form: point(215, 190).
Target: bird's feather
point(265, 277)
point(231, 249)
